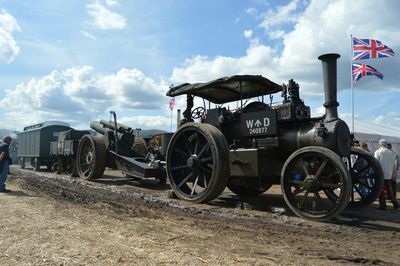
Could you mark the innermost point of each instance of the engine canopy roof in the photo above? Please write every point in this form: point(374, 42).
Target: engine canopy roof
point(228, 89)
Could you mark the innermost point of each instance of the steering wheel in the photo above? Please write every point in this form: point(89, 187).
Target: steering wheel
point(198, 112)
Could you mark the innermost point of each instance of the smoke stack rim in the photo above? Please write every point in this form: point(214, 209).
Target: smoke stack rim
point(329, 56)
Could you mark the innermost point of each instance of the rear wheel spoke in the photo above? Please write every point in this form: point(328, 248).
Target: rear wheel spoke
point(185, 179)
point(179, 167)
point(194, 185)
point(184, 154)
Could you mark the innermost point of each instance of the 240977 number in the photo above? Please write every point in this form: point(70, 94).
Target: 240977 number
point(258, 130)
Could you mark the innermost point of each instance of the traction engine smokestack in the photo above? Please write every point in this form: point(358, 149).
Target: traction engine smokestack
point(330, 85)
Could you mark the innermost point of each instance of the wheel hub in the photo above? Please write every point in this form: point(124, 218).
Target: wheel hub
point(89, 157)
point(193, 162)
point(311, 184)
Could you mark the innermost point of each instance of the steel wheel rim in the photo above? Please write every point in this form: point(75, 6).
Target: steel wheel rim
point(87, 158)
point(314, 186)
point(192, 161)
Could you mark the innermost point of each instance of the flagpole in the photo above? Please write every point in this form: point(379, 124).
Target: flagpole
point(171, 122)
point(351, 83)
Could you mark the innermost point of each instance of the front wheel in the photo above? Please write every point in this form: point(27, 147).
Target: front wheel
point(315, 183)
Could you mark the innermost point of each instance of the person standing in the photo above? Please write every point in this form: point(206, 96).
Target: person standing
point(394, 179)
point(387, 161)
point(5, 161)
point(364, 146)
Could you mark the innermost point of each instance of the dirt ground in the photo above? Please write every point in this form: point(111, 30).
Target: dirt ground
point(42, 224)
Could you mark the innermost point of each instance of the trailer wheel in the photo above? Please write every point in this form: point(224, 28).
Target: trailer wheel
point(55, 168)
point(22, 162)
point(197, 162)
point(71, 167)
point(247, 187)
point(367, 178)
point(36, 164)
point(91, 155)
point(315, 183)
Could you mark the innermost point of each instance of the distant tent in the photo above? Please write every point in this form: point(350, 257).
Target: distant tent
point(372, 140)
point(371, 133)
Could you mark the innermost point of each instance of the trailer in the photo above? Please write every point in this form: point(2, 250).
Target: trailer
point(34, 143)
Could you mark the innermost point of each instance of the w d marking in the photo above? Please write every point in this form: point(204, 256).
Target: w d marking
point(257, 123)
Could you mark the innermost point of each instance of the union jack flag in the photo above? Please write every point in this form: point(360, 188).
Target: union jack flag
point(362, 70)
point(369, 48)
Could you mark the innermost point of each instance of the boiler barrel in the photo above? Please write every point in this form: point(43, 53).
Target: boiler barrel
point(334, 135)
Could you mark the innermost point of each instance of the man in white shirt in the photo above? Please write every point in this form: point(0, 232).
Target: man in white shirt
point(387, 161)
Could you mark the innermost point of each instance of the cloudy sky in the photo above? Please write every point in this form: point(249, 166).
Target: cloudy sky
point(76, 60)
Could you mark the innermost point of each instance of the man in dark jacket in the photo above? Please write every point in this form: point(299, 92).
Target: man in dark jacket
point(5, 161)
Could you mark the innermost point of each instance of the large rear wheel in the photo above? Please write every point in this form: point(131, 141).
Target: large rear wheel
point(197, 162)
point(91, 155)
point(367, 178)
point(315, 183)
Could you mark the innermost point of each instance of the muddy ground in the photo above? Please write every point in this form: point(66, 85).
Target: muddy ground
point(55, 220)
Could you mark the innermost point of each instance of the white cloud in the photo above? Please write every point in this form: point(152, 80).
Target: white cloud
point(282, 15)
point(200, 68)
point(149, 122)
point(380, 119)
point(251, 11)
point(112, 3)
point(276, 34)
point(394, 116)
point(248, 33)
point(9, 48)
point(80, 94)
point(103, 18)
point(87, 34)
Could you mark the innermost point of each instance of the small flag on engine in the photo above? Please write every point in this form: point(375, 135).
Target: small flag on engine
point(172, 103)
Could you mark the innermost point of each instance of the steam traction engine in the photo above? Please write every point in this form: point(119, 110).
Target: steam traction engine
point(256, 145)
